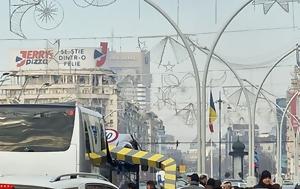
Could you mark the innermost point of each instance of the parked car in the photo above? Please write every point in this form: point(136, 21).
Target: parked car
point(74, 181)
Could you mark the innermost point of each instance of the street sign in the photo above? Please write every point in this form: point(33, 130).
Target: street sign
point(111, 135)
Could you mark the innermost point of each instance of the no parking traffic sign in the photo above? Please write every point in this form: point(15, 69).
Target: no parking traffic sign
point(111, 135)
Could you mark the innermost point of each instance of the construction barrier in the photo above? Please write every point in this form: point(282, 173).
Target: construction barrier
point(138, 157)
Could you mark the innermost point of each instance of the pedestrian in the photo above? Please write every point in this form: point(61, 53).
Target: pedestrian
point(188, 178)
point(226, 185)
point(265, 180)
point(195, 183)
point(150, 185)
point(131, 186)
point(203, 180)
point(210, 183)
point(218, 184)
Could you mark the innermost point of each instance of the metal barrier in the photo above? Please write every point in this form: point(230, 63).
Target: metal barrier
point(138, 157)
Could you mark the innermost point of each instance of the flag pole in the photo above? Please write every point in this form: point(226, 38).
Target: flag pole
point(220, 136)
point(212, 117)
point(211, 158)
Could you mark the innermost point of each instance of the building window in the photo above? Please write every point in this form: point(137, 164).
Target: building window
point(70, 79)
point(81, 80)
point(57, 79)
point(95, 80)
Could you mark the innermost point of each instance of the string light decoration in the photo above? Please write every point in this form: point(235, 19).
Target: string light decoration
point(158, 51)
point(169, 67)
point(267, 4)
point(55, 46)
point(95, 3)
point(48, 14)
point(141, 45)
point(189, 113)
point(17, 10)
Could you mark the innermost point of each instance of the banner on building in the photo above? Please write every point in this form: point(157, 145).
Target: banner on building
point(50, 59)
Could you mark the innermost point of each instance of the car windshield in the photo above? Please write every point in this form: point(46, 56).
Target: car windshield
point(35, 128)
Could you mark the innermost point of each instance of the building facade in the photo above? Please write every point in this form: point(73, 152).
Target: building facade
point(133, 76)
point(117, 84)
point(92, 88)
point(292, 131)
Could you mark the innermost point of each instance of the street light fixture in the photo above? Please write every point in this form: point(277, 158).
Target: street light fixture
point(45, 85)
point(251, 181)
point(24, 86)
point(4, 76)
point(251, 178)
point(279, 129)
point(104, 117)
point(200, 131)
point(271, 102)
point(279, 139)
point(278, 154)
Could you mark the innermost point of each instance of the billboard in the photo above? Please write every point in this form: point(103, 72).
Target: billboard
point(51, 59)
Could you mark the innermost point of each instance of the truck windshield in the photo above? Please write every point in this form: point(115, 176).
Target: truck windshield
point(36, 129)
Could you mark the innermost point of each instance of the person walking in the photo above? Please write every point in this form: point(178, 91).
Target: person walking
point(203, 180)
point(131, 185)
point(195, 183)
point(265, 180)
point(151, 184)
point(226, 185)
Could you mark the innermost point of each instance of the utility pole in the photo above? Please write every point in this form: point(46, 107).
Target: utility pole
point(220, 136)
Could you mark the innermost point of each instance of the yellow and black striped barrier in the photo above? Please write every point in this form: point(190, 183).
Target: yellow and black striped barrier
point(138, 157)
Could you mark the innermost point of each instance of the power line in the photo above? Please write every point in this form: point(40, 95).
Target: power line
point(180, 72)
point(153, 36)
point(208, 142)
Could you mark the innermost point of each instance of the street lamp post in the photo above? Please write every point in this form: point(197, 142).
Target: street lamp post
point(39, 91)
point(279, 132)
point(4, 76)
point(278, 154)
point(279, 179)
point(251, 179)
point(200, 131)
point(24, 86)
point(240, 83)
point(104, 117)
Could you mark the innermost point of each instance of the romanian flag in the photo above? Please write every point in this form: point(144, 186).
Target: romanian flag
point(212, 113)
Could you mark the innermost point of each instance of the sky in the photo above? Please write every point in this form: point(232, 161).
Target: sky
point(254, 39)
